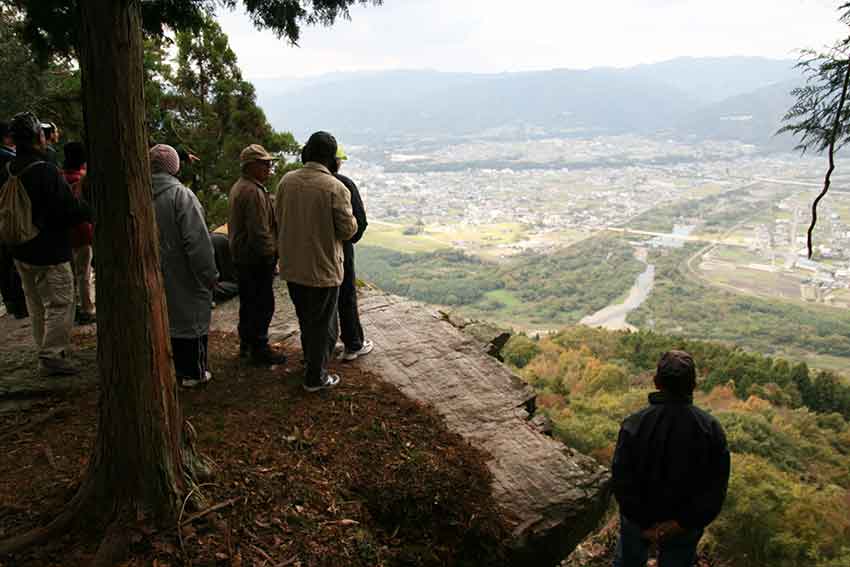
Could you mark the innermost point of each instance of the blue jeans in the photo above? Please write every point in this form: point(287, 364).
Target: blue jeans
point(633, 550)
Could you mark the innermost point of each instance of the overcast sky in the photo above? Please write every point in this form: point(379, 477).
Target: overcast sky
point(501, 35)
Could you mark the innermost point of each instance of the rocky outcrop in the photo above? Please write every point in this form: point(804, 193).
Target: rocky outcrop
point(553, 495)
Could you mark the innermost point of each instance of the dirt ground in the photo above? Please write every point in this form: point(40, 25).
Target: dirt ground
point(359, 475)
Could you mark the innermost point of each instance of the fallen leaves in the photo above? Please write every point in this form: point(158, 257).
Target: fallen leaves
point(360, 477)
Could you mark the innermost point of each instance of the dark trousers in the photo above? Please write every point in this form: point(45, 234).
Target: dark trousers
point(633, 550)
point(256, 303)
point(316, 308)
point(351, 331)
point(190, 357)
point(10, 283)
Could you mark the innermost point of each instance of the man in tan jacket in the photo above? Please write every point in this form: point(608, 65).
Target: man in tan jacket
point(252, 230)
point(313, 211)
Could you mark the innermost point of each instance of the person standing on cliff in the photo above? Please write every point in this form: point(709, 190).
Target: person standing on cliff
point(313, 211)
point(252, 231)
point(670, 471)
point(82, 235)
point(351, 331)
point(44, 262)
point(188, 267)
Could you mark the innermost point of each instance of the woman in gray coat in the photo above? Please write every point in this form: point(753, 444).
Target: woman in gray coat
point(188, 266)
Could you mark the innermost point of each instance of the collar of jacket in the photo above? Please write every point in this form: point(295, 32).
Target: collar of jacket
point(255, 182)
point(658, 398)
point(23, 153)
point(316, 165)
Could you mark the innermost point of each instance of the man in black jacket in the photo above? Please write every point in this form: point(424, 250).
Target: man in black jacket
point(671, 471)
point(44, 262)
point(10, 281)
point(351, 331)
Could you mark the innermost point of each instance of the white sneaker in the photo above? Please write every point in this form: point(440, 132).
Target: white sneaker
point(355, 354)
point(330, 381)
point(195, 382)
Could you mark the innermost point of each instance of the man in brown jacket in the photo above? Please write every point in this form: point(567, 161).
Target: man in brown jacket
point(252, 231)
point(313, 211)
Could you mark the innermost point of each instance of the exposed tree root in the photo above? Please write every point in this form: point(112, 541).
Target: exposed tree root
point(32, 424)
point(117, 516)
point(80, 503)
point(115, 546)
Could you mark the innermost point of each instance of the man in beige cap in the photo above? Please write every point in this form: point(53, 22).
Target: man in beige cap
point(252, 230)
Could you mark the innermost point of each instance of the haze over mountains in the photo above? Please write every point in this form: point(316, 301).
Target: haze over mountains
point(741, 98)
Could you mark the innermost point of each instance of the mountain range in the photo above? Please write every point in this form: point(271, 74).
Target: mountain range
point(740, 98)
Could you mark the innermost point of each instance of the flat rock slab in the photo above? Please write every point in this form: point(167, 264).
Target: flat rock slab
point(555, 495)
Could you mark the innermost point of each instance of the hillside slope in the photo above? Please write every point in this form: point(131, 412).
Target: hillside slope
point(788, 429)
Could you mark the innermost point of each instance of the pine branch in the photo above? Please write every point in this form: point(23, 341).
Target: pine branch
point(836, 126)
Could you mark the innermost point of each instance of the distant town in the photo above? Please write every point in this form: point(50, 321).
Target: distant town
point(547, 194)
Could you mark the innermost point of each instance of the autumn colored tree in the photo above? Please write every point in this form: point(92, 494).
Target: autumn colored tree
point(143, 464)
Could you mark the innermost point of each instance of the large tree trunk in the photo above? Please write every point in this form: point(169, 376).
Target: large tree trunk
point(137, 458)
point(143, 464)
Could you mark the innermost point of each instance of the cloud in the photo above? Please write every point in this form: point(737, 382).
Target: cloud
point(497, 36)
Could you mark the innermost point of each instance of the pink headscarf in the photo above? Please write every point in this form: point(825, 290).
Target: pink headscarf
point(164, 159)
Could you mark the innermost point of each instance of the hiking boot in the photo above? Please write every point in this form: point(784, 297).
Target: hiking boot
point(18, 311)
point(350, 355)
point(266, 356)
point(57, 367)
point(244, 350)
point(86, 318)
point(187, 382)
point(329, 381)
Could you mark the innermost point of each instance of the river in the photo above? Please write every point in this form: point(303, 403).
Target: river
point(613, 317)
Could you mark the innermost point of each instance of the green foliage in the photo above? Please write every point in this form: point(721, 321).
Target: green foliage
point(829, 394)
point(444, 277)
point(195, 99)
point(549, 290)
point(697, 310)
point(50, 27)
point(790, 488)
point(50, 89)
point(717, 212)
point(519, 350)
point(772, 519)
point(811, 117)
point(574, 282)
point(205, 107)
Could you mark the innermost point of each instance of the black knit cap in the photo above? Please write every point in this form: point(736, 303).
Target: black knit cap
point(321, 148)
point(25, 127)
point(676, 373)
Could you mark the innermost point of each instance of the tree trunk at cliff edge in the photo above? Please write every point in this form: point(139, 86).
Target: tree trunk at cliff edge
point(137, 460)
point(143, 464)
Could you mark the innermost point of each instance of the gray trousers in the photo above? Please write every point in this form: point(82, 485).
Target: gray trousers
point(50, 299)
point(316, 308)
